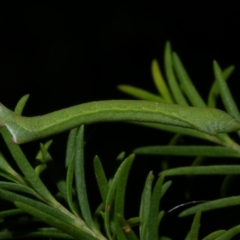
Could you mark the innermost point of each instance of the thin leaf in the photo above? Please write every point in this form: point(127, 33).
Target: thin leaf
point(172, 81)
point(211, 205)
point(154, 209)
point(19, 188)
point(55, 212)
point(80, 179)
point(189, 89)
point(193, 233)
point(121, 189)
point(204, 151)
point(214, 91)
point(229, 233)
point(5, 167)
point(47, 217)
point(12, 212)
point(21, 104)
point(165, 187)
point(145, 206)
point(140, 93)
point(40, 233)
point(121, 156)
point(27, 169)
point(101, 178)
point(134, 221)
point(125, 165)
point(39, 155)
point(226, 95)
point(160, 82)
point(204, 170)
point(71, 144)
point(214, 235)
point(69, 185)
point(160, 216)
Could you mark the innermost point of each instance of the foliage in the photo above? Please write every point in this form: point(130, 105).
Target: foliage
point(67, 214)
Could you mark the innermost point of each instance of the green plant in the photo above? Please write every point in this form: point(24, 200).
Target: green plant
point(66, 214)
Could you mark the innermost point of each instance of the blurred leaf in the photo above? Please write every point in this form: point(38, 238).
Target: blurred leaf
point(229, 233)
point(27, 169)
point(214, 91)
point(145, 206)
point(211, 205)
point(101, 178)
point(193, 234)
point(123, 169)
point(21, 104)
point(214, 235)
point(153, 220)
point(205, 151)
point(189, 89)
point(172, 81)
point(226, 95)
point(80, 180)
point(160, 82)
point(203, 170)
point(39, 155)
point(140, 93)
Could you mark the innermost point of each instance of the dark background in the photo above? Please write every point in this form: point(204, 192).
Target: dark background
point(68, 53)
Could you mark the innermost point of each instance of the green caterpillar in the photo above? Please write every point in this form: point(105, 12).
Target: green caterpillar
point(25, 129)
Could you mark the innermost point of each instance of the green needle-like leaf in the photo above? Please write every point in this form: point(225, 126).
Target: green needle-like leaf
point(70, 163)
point(214, 235)
point(12, 212)
point(71, 145)
point(120, 192)
point(27, 169)
point(145, 206)
point(229, 233)
point(172, 81)
point(204, 170)
point(39, 155)
point(101, 178)
point(205, 151)
point(226, 95)
point(189, 89)
point(141, 93)
point(19, 188)
point(160, 82)
point(165, 187)
point(124, 167)
point(39, 233)
point(214, 91)
point(193, 234)
point(55, 212)
point(47, 217)
point(80, 179)
point(154, 209)
point(12, 174)
point(211, 205)
point(21, 104)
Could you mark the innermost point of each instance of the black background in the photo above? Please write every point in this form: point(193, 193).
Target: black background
point(68, 53)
